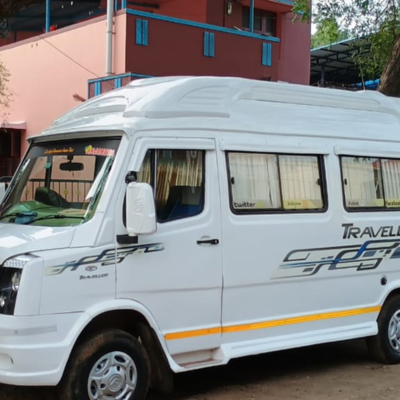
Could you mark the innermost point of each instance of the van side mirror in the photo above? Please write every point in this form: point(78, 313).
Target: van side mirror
point(140, 209)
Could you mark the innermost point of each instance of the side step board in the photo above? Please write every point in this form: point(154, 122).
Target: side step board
point(222, 355)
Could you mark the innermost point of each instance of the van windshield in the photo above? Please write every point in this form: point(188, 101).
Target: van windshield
point(59, 183)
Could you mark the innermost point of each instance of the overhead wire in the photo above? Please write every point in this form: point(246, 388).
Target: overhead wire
point(74, 61)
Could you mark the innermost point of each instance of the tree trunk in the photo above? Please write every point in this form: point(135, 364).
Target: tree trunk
point(390, 79)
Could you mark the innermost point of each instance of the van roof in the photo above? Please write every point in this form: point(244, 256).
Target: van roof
point(174, 97)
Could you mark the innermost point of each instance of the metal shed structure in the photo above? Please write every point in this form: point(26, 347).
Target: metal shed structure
point(334, 66)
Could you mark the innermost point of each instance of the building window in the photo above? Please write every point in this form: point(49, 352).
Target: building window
point(370, 182)
point(209, 44)
point(142, 32)
point(264, 21)
point(266, 54)
point(261, 182)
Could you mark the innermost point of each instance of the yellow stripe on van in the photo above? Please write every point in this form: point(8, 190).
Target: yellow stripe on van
point(299, 320)
point(271, 324)
point(196, 333)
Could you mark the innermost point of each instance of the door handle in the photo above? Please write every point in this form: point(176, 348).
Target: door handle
point(208, 241)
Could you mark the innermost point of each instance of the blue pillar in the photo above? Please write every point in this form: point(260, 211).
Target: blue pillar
point(123, 6)
point(47, 16)
point(251, 16)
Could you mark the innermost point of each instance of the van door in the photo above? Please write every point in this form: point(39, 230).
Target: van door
point(282, 285)
point(176, 273)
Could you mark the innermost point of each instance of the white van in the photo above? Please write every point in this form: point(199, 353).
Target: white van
point(178, 223)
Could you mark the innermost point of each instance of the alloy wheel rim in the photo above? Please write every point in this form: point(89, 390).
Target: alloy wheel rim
point(113, 377)
point(394, 331)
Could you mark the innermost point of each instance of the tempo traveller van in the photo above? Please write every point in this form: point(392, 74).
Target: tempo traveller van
point(178, 223)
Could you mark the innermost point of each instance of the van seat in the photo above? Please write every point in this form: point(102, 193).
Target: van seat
point(50, 197)
point(183, 201)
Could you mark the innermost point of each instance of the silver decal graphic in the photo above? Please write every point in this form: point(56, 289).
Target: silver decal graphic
point(367, 256)
point(107, 257)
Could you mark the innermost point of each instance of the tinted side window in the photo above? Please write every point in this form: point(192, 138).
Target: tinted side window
point(177, 177)
point(145, 173)
point(261, 182)
point(391, 182)
point(362, 182)
point(370, 182)
point(254, 181)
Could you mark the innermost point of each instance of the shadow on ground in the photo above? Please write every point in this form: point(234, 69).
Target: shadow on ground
point(239, 373)
point(271, 367)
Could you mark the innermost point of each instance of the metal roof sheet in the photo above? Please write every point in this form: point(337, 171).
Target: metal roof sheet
point(334, 64)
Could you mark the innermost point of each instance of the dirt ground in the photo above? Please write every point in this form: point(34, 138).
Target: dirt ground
point(341, 371)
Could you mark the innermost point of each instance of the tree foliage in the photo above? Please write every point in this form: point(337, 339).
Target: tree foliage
point(5, 95)
point(328, 32)
point(8, 8)
point(376, 21)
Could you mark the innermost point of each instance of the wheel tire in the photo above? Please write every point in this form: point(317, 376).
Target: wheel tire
point(385, 346)
point(108, 357)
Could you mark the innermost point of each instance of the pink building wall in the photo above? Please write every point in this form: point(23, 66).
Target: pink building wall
point(44, 78)
point(46, 73)
point(294, 63)
point(179, 50)
point(194, 11)
point(294, 56)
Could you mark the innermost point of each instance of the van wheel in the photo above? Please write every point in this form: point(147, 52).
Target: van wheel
point(109, 365)
point(385, 346)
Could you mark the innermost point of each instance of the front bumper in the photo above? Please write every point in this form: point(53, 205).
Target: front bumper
point(34, 350)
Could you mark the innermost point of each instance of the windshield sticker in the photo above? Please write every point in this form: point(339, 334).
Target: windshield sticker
point(50, 152)
point(95, 151)
point(107, 257)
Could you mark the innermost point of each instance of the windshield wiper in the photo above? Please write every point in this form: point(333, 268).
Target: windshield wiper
point(28, 214)
point(55, 216)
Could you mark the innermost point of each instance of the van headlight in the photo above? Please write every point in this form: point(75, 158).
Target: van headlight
point(10, 278)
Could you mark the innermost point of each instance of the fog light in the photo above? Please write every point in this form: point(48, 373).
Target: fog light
point(15, 281)
point(10, 282)
point(3, 300)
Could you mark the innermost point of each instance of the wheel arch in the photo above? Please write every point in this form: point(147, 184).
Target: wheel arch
point(394, 292)
point(392, 289)
point(136, 324)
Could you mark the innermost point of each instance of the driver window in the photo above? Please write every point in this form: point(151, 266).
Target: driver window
point(177, 177)
point(144, 175)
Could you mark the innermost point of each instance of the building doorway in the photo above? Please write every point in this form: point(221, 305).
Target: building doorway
point(10, 149)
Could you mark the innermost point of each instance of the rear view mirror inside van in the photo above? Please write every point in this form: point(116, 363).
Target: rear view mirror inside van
point(71, 166)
